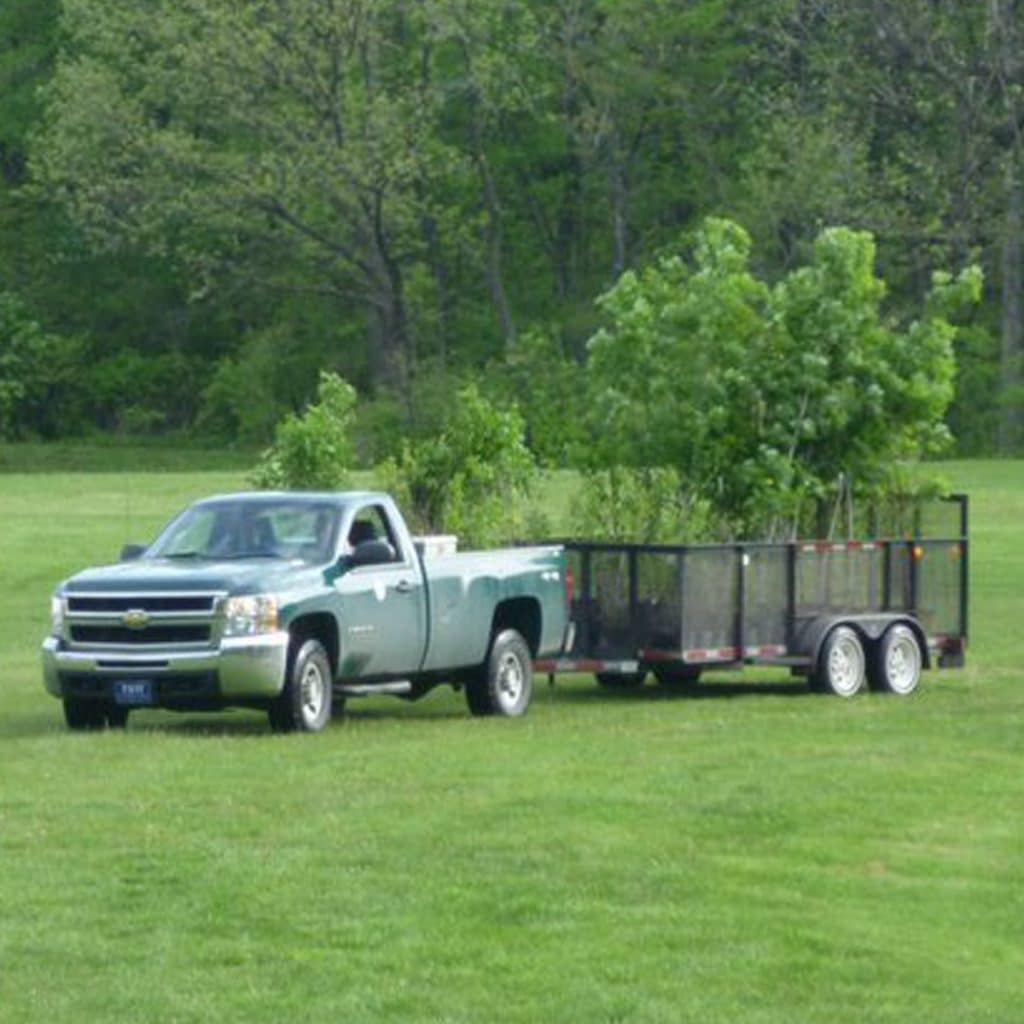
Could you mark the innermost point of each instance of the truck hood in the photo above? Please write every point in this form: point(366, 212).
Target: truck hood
point(235, 576)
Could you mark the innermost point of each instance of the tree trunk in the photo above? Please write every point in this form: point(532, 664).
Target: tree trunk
point(443, 282)
point(495, 269)
point(1012, 267)
point(620, 226)
point(391, 348)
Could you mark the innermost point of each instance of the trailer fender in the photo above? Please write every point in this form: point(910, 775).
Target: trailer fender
point(870, 627)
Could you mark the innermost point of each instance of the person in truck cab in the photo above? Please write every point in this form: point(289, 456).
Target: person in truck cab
point(363, 530)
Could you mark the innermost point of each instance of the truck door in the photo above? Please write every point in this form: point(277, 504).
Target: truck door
point(383, 607)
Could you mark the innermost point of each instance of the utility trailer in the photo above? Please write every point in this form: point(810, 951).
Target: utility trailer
point(843, 613)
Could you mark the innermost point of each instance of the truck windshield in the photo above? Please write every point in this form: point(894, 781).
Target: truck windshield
point(251, 529)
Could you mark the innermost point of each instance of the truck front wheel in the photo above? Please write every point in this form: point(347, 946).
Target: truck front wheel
point(304, 704)
point(504, 683)
point(82, 714)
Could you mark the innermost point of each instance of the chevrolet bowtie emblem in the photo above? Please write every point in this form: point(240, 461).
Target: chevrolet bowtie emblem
point(136, 618)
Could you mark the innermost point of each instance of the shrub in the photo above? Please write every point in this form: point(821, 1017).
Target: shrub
point(473, 478)
point(40, 379)
point(760, 397)
point(313, 451)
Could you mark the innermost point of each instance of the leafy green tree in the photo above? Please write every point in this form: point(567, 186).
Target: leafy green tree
point(904, 119)
point(760, 398)
point(313, 451)
point(545, 385)
point(40, 388)
point(287, 144)
point(474, 478)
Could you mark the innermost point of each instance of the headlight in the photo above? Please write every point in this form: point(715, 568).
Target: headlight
point(254, 613)
point(56, 615)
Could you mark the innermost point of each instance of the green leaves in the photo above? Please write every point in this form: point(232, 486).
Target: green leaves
point(313, 451)
point(39, 382)
point(760, 398)
point(473, 478)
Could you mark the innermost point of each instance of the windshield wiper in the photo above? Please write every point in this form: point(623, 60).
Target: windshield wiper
point(186, 554)
point(252, 554)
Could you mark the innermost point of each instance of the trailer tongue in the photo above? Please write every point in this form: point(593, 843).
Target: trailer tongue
point(873, 611)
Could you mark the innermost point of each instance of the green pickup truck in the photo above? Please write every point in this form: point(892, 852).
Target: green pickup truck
point(291, 603)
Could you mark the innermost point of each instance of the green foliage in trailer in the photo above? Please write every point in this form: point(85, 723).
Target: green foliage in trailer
point(761, 396)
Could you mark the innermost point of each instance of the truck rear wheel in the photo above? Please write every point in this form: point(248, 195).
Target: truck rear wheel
point(304, 704)
point(896, 665)
point(841, 663)
point(504, 683)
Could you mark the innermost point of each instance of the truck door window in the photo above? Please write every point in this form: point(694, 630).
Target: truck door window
point(371, 523)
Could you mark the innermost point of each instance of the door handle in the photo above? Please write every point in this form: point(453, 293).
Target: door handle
point(403, 586)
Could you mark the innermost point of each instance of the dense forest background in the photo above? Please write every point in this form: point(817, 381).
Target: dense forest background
point(203, 204)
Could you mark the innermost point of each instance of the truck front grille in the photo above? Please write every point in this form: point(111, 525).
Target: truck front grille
point(132, 621)
point(143, 602)
point(155, 634)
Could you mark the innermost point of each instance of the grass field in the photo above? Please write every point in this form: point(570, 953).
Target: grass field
point(757, 854)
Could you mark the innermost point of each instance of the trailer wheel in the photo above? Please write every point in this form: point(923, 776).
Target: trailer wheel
point(304, 704)
point(896, 665)
point(621, 680)
point(841, 663)
point(503, 685)
point(677, 677)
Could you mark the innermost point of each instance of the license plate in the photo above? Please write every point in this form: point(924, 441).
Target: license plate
point(133, 692)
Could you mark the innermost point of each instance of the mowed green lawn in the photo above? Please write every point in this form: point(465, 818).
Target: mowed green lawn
point(755, 854)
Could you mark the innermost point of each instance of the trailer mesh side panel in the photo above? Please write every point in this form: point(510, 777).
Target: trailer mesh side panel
point(938, 587)
point(900, 568)
point(610, 623)
point(678, 602)
point(843, 580)
point(764, 604)
point(659, 594)
point(709, 598)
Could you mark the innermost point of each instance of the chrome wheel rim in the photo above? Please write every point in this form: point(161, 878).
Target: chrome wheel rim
point(903, 664)
point(511, 680)
point(312, 693)
point(846, 666)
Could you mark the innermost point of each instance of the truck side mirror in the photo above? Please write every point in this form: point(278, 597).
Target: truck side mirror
point(371, 552)
point(130, 552)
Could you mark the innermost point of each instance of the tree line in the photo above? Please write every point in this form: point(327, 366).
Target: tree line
point(204, 204)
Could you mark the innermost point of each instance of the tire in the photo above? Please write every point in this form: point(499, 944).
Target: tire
point(504, 683)
point(304, 704)
point(82, 715)
point(677, 677)
point(897, 662)
point(620, 680)
point(841, 664)
point(117, 717)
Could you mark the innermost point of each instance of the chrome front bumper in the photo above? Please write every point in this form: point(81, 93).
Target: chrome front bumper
point(246, 667)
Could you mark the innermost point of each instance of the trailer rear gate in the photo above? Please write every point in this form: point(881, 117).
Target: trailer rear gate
point(638, 606)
